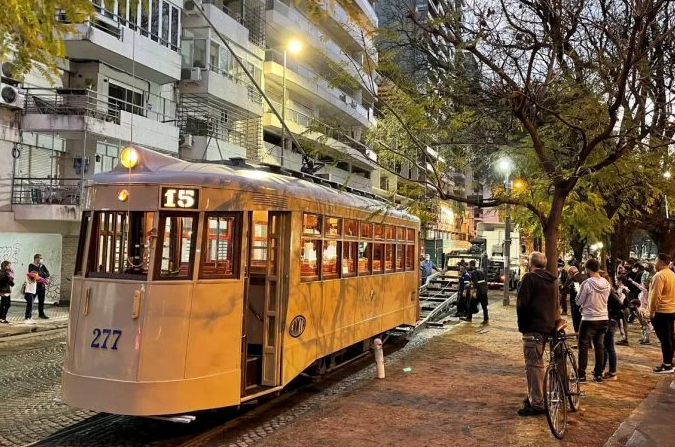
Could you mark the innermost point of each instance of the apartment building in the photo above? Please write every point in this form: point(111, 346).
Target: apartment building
point(326, 117)
point(156, 76)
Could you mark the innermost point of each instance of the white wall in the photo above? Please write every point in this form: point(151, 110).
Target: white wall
point(19, 248)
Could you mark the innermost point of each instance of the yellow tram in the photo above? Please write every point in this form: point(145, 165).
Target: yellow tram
point(202, 286)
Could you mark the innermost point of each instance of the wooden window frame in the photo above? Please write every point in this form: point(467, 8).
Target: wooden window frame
point(313, 235)
point(356, 259)
point(369, 257)
point(338, 260)
point(344, 229)
point(389, 229)
point(412, 261)
point(159, 246)
point(383, 237)
point(408, 233)
point(340, 227)
point(372, 260)
point(235, 238)
point(319, 259)
point(396, 267)
point(365, 224)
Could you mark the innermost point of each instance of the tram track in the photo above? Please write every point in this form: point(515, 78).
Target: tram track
point(227, 427)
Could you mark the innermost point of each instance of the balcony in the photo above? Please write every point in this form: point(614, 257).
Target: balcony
point(246, 30)
point(285, 20)
point(71, 112)
point(54, 199)
point(132, 49)
point(310, 83)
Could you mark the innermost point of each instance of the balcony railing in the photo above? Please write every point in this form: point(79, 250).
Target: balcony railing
point(85, 102)
point(46, 191)
point(252, 19)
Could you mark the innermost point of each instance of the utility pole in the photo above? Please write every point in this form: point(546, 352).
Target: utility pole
point(507, 245)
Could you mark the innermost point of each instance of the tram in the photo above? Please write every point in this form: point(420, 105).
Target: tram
point(202, 286)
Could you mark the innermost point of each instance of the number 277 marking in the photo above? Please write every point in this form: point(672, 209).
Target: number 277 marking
point(105, 335)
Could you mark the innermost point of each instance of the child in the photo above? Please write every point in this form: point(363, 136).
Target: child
point(642, 305)
point(30, 290)
point(622, 292)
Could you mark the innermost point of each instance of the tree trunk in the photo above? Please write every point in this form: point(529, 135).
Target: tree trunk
point(664, 238)
point(552, 230)
point(621, 240)
point(577, 244)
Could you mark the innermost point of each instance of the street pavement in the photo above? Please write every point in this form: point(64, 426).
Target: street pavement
point(58, 318)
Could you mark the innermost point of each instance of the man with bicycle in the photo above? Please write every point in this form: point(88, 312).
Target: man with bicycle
point(538, 312)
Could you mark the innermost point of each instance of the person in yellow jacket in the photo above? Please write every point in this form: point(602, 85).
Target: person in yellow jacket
point(662, 311)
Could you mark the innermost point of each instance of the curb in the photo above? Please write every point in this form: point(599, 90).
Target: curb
point(32, 330)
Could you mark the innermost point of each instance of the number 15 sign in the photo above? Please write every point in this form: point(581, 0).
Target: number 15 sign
point(180, 198)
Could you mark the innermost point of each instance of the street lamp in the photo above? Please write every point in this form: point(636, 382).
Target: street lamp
point(667, 176)
point(293, 46)
point(505, 166)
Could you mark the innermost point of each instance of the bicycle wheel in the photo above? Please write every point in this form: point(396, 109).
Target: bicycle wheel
point(555, 402)
point(573, 389)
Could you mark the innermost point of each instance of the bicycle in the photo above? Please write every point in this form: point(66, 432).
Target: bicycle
point(561, 381)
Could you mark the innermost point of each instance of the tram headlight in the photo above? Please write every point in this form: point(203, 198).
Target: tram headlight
point(129, 157)
point(122, 195)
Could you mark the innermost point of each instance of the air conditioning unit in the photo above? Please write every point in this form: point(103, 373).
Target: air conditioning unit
point(192, 7)
point(11, 97)
point(7, 74)
point(185, 141)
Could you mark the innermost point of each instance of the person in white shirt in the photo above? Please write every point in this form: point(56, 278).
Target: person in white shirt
point(592, 300)
point(30, 290)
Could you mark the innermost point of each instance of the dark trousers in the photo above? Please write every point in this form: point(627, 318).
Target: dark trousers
point(41, 300)
point(483, 300)
point(563, 302)
point(29, 297)
point(592, 331)
point(610, 352)
point(663, 326)
point(5, 303)
point(576, 315)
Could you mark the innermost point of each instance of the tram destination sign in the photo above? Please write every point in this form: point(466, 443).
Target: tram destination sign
point(180, 198)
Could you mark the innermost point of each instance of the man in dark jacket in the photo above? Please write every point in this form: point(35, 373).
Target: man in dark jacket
point(38, 267)
point(479, 284)
point(562, 280)
point(538, 312)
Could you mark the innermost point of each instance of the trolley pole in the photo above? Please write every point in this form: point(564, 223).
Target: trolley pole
point(507, 245)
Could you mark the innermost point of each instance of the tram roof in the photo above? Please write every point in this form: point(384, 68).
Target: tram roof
point(154, 167)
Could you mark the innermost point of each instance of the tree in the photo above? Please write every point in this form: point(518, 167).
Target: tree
point(32, 34)
point(570, 89)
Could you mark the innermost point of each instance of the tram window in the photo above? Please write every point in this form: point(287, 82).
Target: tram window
point(175, 255)
point(365, 258)
point(220, 251)
point(410, 234)
point(399, 257)
point(351, 228)
point(390, 232)
point(410, 257)
point(331, 256)
point(379, 231)
point(378, 254)
point(400, 233)
point(120, 244)
point(259, 242)
point(366, 230)
point(84, 225)
point(333, 227)
point(309, 259)
point(389, 251)
point(349, 258)
point(311, 224)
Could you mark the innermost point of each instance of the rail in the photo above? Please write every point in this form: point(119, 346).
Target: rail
point(252, 19)
point(85, 102)
point(46, 191)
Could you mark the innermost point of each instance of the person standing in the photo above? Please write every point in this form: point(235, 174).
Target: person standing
point(592, 300)
point(537, 308)
point(662, 311)
point(38, 267)
point(479, 284)
point(29, 292)
point(464, 291)
point(574, 280)
point(6, 284)
point(562, 280)
point(615, 304)
point(426, 268)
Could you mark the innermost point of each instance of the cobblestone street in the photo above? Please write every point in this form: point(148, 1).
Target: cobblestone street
point(30, 380)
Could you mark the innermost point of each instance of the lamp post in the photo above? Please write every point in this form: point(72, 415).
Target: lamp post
point(293, 46)
point(505, 166)
point(667, 176)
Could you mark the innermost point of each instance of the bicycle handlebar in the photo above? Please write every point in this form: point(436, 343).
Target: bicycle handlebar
point(547, 338)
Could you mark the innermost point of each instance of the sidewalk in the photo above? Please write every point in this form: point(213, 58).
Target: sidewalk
point(58, 318)
point(463, 389)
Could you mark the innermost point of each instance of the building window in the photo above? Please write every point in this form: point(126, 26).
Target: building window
point(122, 98)
point(175, 250)
point(120, 244)
point(175, 27)
point(165, 23)
point(220, 251)
point(154, 30)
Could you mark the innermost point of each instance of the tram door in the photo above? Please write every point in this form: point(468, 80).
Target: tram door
point(266, 293)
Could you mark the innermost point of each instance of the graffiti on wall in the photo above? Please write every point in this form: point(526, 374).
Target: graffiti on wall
point(11, 252)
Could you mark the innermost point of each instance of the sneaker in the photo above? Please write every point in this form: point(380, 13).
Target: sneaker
point(609, 376)
point(529, 410)
point(486, 323)
point(43, 317)
point(645, 342)
point(664, 369)
point(28, 321)
point(597, 379)
point(622, 342)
